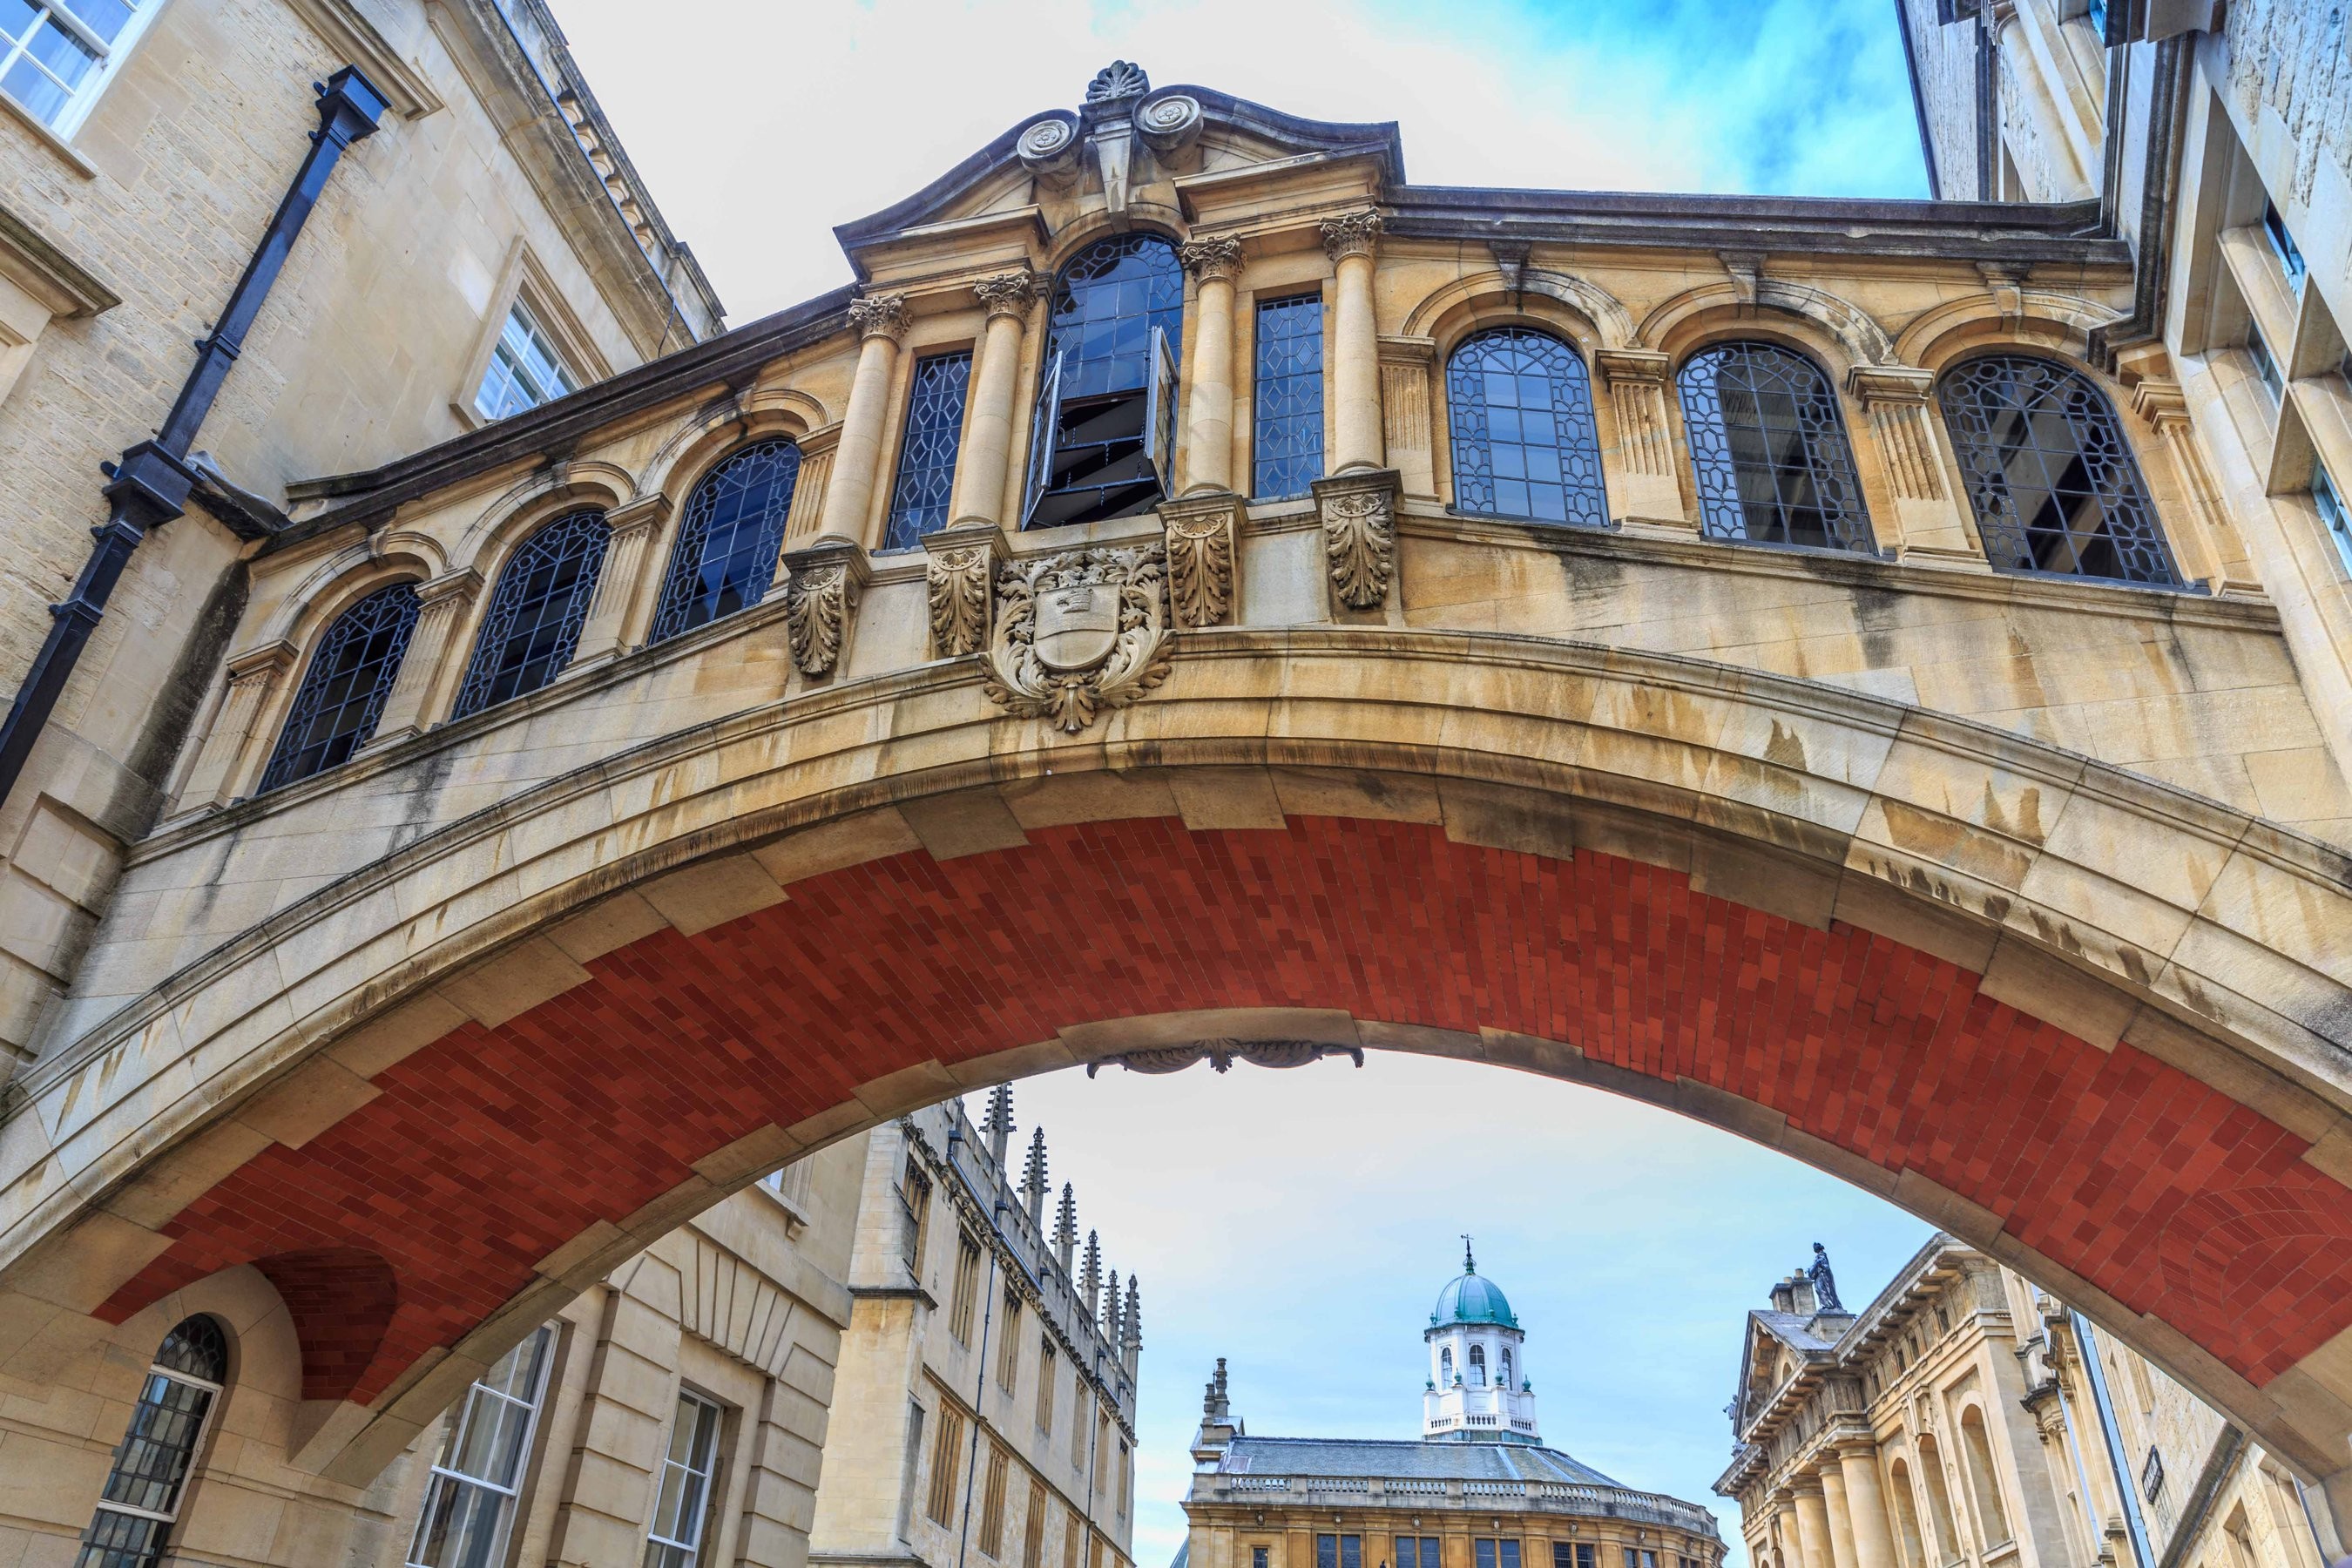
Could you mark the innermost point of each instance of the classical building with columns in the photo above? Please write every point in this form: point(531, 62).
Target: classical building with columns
point(1966, 1418)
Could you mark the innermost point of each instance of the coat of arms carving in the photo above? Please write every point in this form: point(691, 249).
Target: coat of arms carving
point(1079, 631)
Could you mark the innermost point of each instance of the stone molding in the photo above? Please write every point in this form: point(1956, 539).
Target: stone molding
point(822, 586)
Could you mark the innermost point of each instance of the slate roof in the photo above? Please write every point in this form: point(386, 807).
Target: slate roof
point(1795, 1328)
point(1406, 1460)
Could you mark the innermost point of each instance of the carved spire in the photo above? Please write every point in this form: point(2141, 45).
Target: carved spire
point(1066, 1228)
point(998, 1122)
point(1033, 1178)
point(1130, 1343)
point(1110, 1312)
point(1090, 1277)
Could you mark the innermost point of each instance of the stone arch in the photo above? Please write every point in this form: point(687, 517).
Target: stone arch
point(506, 522)
point(1943, 960)
point(2031, 317)
point(1675, 324)
point(1486, 298)
point(341, 580)
point(717, 429)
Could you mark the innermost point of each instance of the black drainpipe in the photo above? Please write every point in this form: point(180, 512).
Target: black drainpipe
point(149, 486)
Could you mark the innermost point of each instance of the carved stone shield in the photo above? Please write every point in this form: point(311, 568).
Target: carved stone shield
point(1077, 625)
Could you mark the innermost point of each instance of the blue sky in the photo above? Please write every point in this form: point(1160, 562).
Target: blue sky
point(1300, 1224)
point(762, 123)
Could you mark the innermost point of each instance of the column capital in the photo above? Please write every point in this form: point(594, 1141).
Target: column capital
point(1011, 293)
point(1217, 259)
point(879, 316)
point(1352, 234)
point(270, 658)
point(639, 511)
point(2161, 402)
point(1896, 383)
point(1638, 367)
point(461, 585)
point(1807, 1483)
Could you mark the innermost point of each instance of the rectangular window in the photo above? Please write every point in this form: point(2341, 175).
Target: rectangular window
point(1572, 1555)
point(966, 1294)
point(1125, 1477)
point(1496, 1553)
point(2330, 502)
point(947, 1462)
point(2265, 364)
point(1338, 1551)
point(1287, 418)
point(908, 1463)
point(469, 1503)
point(791, 1184)
point(1046, 1358)
point(992, 1503)
point(1259, 1555)
point(914, 1216)
point(1077, 1419)
point(525, 370)
point(682, 1506)
point(1102, 1446)
point(926, 452)
point(1033, 1529)
point(1070, 1534)
point(2283, 244)
point(57, 55)
point(1008, 1348)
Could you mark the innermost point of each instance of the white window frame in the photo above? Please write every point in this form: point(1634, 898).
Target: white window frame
point(512, 360)
point(170, 1517)
point(2328, 500)
point(690, 1532)
point(442, 1476)
point(82, 97)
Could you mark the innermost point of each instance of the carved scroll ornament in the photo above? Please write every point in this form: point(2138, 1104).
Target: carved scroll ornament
point(1200, 568)
point(1079, 632)
point(1221, 1054)
point(819, 599)
point(1359, 543)
point(958, 580)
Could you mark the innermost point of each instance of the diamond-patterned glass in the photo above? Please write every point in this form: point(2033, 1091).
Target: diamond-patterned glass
point(1525, 445)
point(532, 626)
point(1769, 450)
point(926, 453)
point(2048, 473)
point(1105, 306)
point(1287, 416)
point(730, 538)
point(342, 693)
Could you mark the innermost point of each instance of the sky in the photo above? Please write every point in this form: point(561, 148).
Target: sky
point(1301, 1224)
point(759, 124)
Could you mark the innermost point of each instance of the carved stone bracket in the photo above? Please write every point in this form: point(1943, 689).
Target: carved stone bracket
point(1895, 397)
point(821, 589)
point(1202, 537)
point(1079, 631)
point(959, 575)
point(1358, 514)
point(1221, 1054)
point(1637, 400)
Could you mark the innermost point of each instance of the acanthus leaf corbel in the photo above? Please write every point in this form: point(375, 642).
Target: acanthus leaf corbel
point(1204, 536)
point(823, 584)
point(1359, 516)
point(959, 579)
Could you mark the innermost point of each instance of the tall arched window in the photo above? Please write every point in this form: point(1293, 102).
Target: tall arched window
point(1445, 1364)
point(1106, 421)
point(1506, 1369)
point(730, 537)
point(1525, 445)
point(2048, 473)
point(1906, 1516)
point(1992, 1517)
point(1478, 1366)
point(1939, 1501)
point(342, 693)
point(140, 1501)
point(1769, 450)
point(536, 611)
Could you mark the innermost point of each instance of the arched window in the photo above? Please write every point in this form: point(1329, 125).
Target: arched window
point(1105, 420)
point(730, 537)
point(1525, 445)
point(342, 693)
point(1445, 1364)
point(140, 1501)
point(534, 623)
point(1906, 1516)
point(1506, 1370)
point(2048, 473)
point(1992, 1518)
point(1939, 1501)
point(1478, 1366)
point(1770, 449)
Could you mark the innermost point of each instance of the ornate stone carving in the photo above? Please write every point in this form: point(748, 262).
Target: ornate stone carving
point(880, 315)
point(1169, 122)
point(1351, 234)
point(958, 581)
point(1010, 293)
point(1200, 538)
point(1048, 148)
point(1221, 1054)
point(1219, 258)
point(821, 589)
point(1359, 512)
point(1120, 79)
point(1078, 632)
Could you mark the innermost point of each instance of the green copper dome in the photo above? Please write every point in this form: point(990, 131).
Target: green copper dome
point(1472, 1298)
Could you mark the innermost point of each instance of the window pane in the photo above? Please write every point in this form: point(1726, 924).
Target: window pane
point(342, 693)
point(926, 453)
point(532, 625)
point(728, 542)
point(1770, 449)
point(122, 1541)
point(1524, 441)
point(1287, 418)
point(469, 1502)
point(525, 368)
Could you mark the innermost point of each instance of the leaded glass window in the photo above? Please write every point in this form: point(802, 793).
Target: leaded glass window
point(534, 623)
point(1769, 450)
point(683, 1502)
point(2048, 473)
point(730, 537)
point(470, 1501)
point(926, 453)
point(1287, 417)
point(342, 693)
point(1106, 414)
point(141, 1500)
point(1525, 444)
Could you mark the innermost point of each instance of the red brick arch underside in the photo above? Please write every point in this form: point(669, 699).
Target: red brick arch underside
point(493, 1147)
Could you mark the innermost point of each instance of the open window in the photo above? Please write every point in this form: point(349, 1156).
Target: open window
point(1105, 433)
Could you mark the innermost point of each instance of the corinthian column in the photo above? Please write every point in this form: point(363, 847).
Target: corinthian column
point(440, 605)
point(253, 679)
point(881, 322)
point(987, 454)
point(1208, 445)
point(1356, 344)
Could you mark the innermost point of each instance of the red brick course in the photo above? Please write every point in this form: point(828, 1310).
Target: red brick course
point(493, 1147)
